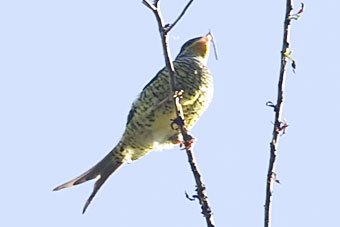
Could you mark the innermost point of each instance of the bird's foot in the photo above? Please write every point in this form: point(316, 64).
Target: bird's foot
point(187, 143)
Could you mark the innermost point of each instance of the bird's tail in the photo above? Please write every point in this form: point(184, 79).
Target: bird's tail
point(101, 171)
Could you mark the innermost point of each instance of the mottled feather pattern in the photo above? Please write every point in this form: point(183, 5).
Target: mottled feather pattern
point(155, 101)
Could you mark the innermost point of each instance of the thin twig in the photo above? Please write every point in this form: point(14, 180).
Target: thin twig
point(271, 178)
point(164, 30)
point(180, 16)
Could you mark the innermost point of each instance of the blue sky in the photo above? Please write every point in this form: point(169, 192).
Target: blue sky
point(69, 71)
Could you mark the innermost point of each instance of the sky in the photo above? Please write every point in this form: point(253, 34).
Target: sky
point(69, 71)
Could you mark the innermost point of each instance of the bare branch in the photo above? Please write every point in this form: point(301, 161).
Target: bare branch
point(150, 6)
point(180, 16)
point(271, 175)
point(188, 140)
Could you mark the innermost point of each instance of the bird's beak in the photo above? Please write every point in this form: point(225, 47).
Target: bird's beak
point(208, 37)
point(203, 45)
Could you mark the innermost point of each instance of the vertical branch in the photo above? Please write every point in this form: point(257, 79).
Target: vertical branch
point(188, 140)
point(271, 178)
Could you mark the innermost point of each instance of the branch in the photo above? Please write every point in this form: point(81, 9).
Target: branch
point(180, 16)
point(188, 140)
point(271, 175)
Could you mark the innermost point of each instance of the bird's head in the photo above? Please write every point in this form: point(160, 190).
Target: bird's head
point(197, 47)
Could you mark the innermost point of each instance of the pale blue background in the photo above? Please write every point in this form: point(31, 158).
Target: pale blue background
point(71, 69)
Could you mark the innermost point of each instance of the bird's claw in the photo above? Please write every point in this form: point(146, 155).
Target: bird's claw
point(187, 143)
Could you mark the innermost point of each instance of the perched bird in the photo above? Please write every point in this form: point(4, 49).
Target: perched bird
point(148, 125)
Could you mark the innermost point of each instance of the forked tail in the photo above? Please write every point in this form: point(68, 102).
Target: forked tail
point(101, 171)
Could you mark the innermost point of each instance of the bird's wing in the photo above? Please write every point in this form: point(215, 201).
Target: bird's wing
point(153, 95)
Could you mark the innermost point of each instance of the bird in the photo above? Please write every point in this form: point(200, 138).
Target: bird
point(149, 122)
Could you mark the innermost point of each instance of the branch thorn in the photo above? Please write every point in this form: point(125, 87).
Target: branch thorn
point(283, 126)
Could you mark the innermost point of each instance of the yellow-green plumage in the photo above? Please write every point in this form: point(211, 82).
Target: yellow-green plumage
point(149, 121)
